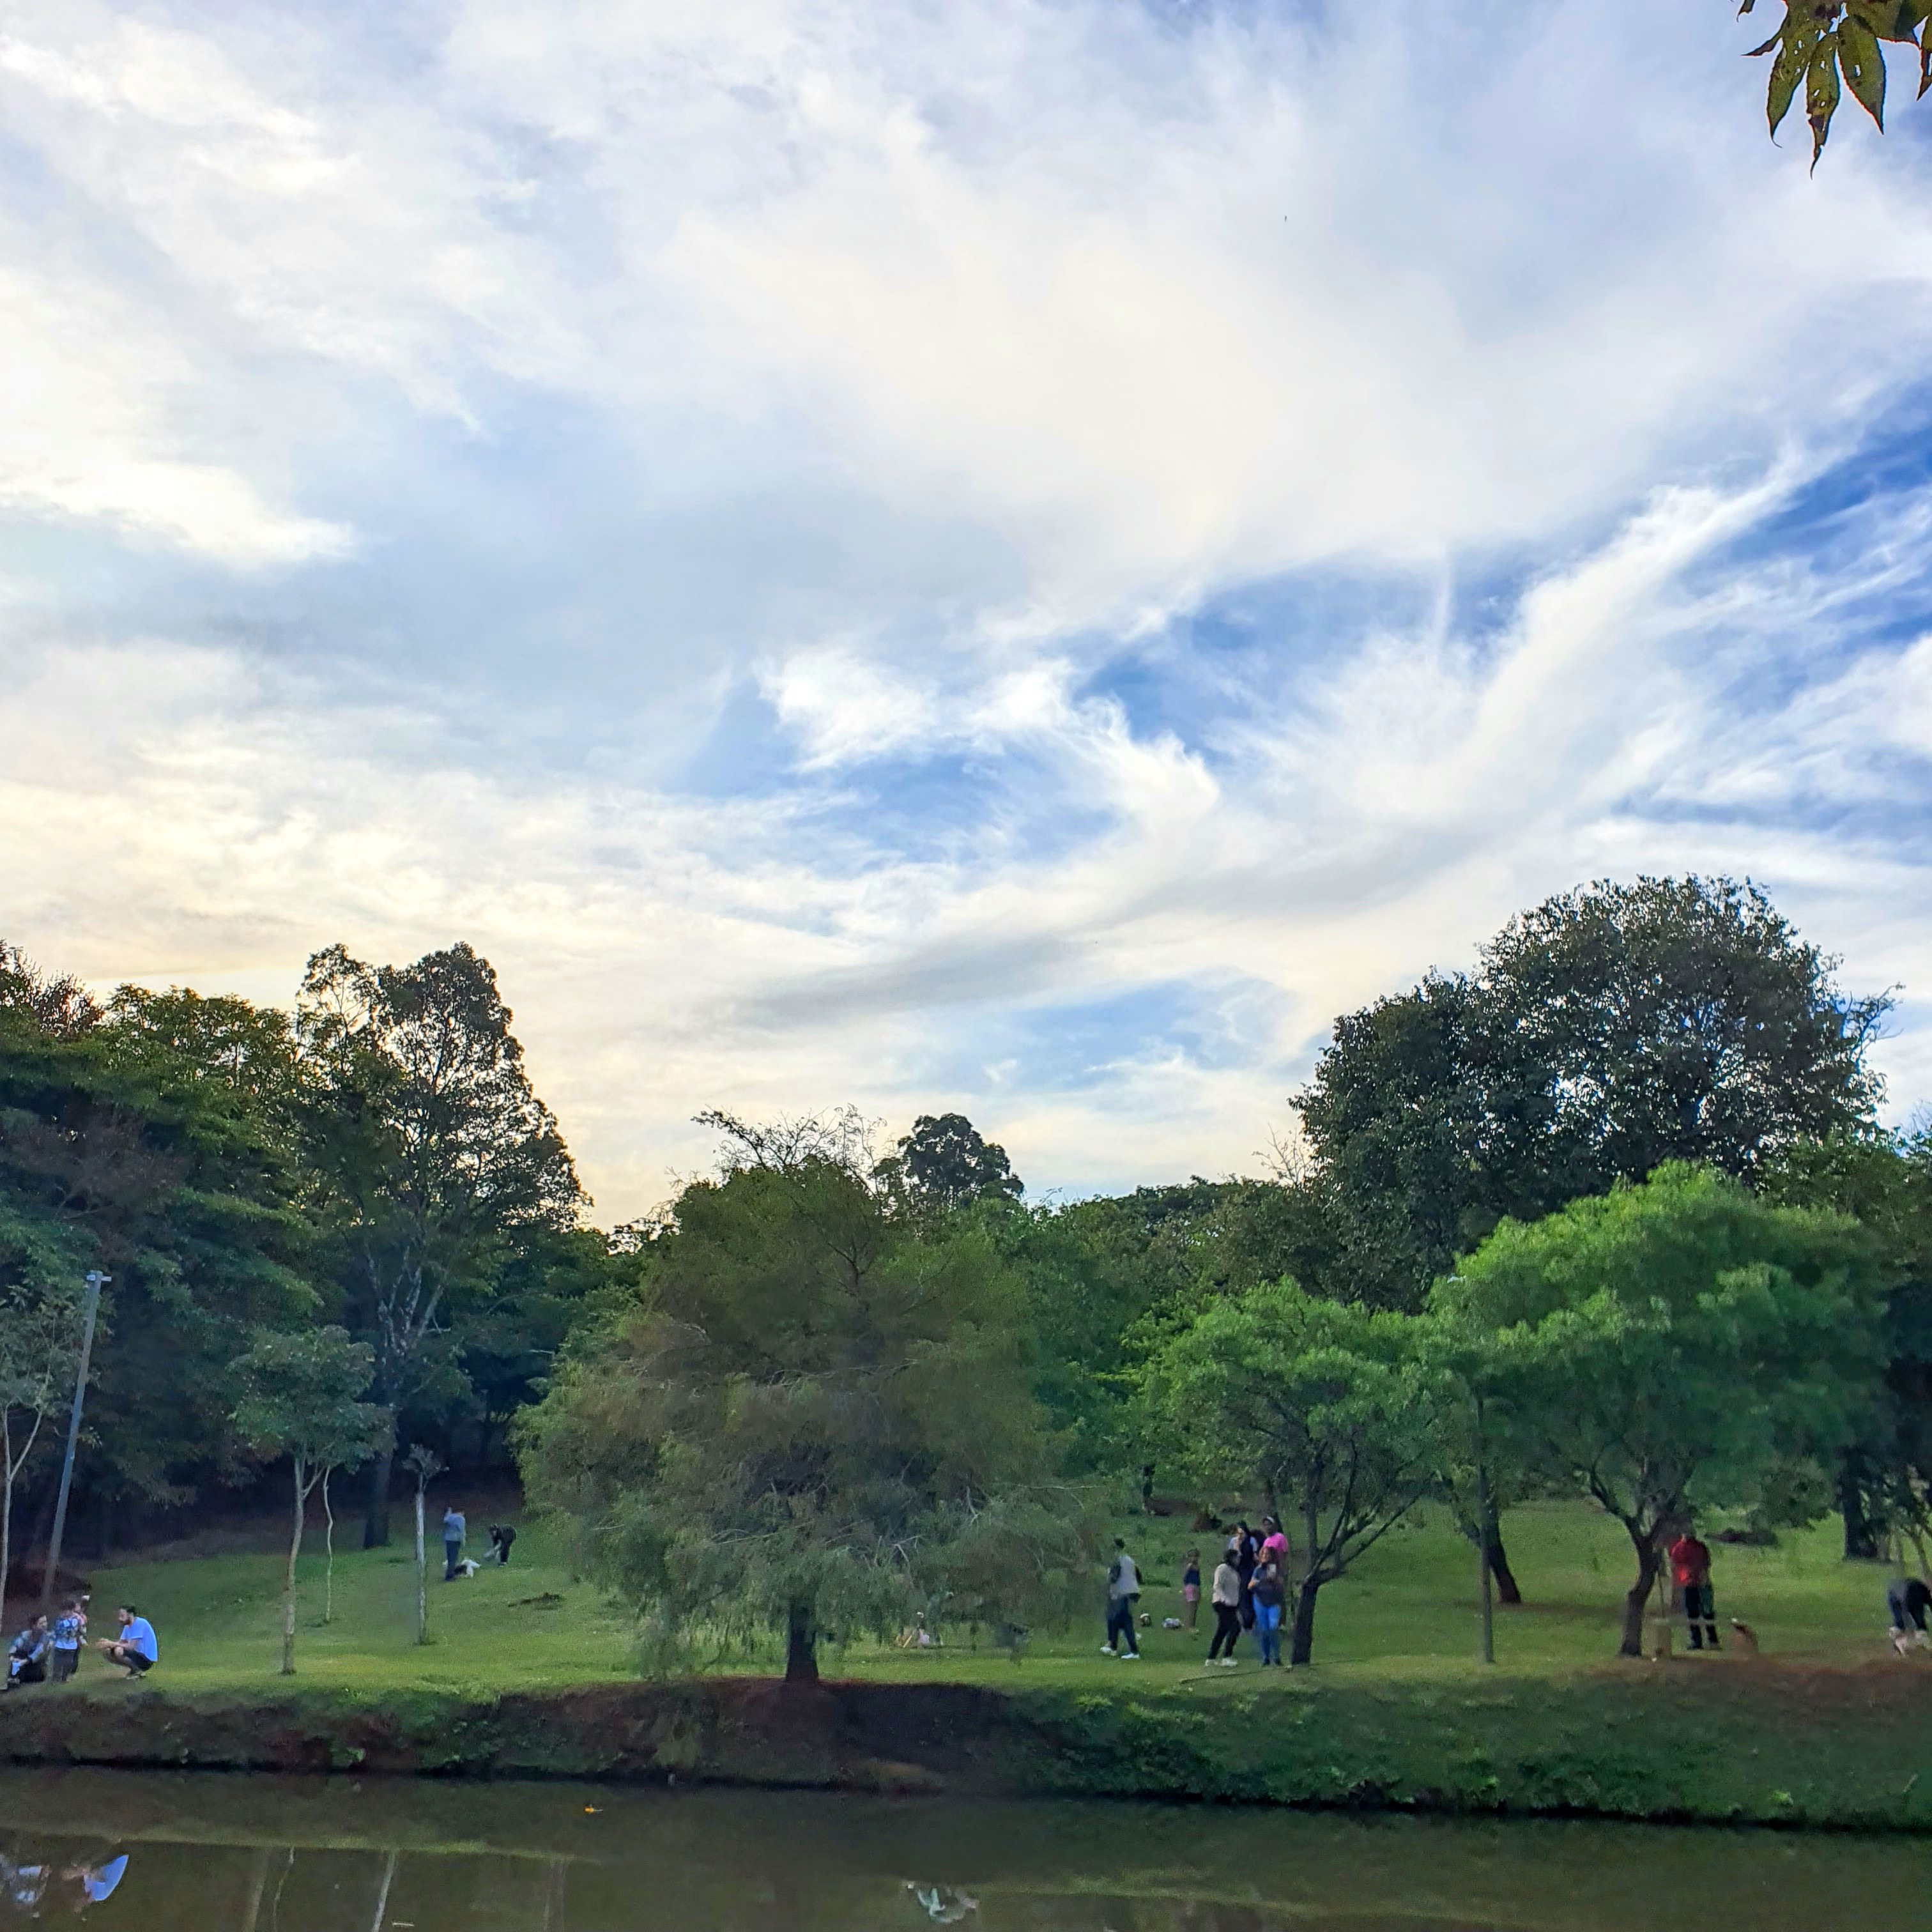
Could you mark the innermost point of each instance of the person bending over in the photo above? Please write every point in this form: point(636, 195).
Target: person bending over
point(1908, 1600)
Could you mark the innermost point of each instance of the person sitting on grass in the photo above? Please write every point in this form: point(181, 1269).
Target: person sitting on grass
point(27, 1654)
point(135, 1649)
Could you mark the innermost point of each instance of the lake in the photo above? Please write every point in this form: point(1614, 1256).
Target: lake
point(210, 1853)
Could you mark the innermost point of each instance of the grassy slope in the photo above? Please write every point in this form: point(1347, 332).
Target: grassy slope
point(1828, 1728)
point(1407, 1616)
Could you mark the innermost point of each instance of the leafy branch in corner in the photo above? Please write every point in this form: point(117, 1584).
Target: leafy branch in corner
point(1827, 45)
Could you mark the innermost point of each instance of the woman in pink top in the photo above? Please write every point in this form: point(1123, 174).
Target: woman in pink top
point(1274, 1545)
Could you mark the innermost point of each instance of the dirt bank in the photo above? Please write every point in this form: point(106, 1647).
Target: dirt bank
point(1751, 1742)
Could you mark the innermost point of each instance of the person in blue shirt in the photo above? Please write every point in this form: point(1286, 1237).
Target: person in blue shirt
point(455, 1530)
point(70, 1629)
point(135, 1649)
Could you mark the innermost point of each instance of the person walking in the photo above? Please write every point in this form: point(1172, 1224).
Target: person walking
point(1690, 1571)
point(1190, 1589)
point(1123, 1593)
point(1907, 1600)
point(1226, 1598)
point(1264, 1590)
point(454, 1529)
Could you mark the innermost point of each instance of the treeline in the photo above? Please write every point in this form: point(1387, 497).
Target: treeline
point(832, 1388)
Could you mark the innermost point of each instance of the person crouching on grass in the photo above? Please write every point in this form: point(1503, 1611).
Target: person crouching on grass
point(135, 1649)
point(27, 1655)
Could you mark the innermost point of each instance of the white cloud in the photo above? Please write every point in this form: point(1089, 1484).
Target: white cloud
point(947, 353)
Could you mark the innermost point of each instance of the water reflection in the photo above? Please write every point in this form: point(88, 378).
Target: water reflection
point(214, 1853)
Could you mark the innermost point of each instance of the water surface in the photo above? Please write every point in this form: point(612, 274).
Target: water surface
point(209, 1853)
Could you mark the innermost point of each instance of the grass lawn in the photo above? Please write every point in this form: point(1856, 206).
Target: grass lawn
point(1406, 1614)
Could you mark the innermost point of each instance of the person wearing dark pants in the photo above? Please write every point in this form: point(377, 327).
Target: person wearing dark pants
point(1227, 1600)
point(1123, 1595)
point(1691, 1570)
point(1907, 1600)
point(454, 1529)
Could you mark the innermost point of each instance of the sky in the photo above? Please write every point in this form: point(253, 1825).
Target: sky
point(1011, 555)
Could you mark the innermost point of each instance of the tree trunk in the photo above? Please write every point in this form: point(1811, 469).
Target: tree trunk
point(1301, 1639)
point(375, 1522)
point(1638, 1595)
point(1506, 1591)
point(6, 1535)
point(329, 1547)
point(422, 1575)
point(289, 1582)
point(1861, 1531)
point(801, 1646)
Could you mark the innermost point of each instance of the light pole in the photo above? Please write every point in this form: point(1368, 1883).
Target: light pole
point(95, 1280)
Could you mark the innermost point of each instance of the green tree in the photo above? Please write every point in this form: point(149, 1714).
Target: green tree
point(1884, 1476)
point(945, 1161)
point(1667, 1345)
point(40, 1340)
point(434, 1158)
point(1331, 1408)
point(811, 1418)
point(300, 1395)
point(1605, 1032)
point(1826, 47)
point(124, 1147)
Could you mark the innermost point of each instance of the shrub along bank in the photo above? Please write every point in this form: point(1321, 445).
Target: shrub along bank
point(1758, 1741)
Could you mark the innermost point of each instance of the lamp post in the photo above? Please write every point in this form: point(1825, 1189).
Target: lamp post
point(95, 1280)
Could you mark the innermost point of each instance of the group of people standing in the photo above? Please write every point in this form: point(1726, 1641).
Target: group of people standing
point(1248, 1593)
point(50, 1648)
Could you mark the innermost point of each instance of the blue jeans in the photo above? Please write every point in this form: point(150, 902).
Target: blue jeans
point(1267, 1631)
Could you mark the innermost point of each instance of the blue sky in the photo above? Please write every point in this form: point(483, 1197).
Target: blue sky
point(1017, 556)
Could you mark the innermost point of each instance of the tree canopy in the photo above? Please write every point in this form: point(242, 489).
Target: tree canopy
point(1664, 1346)
point(809, 1420)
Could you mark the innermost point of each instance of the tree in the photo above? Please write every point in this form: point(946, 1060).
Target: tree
point(425, 1466)
point(126, 1145)
point(434, 1155)
point(1665, 1346)
point(300, 1396)
point(40, 1334)
point(812, 1417)
point(1827, 46)
point(1884, 1475)
point(1332, 1408)
point(1605, 1032)
point(944, 1163)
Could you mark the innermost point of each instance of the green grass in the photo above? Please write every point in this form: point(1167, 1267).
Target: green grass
point(1406, 1614)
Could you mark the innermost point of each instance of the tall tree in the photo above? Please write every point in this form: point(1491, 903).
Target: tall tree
point(1331, 1409)
point(813, 1418)
point(945, 1161)
point(1605, 1032)
point(39, 1335)
point(435, 1156)
point(1665, 1346)
point(299, 1396)
point(123, 1147)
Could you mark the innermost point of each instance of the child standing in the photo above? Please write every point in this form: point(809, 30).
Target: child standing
point(1190, 1588)
point(69, 1628)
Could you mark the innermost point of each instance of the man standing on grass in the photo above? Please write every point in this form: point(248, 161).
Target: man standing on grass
point(454, 1529)
point(1123, 1592)
point(1690, 1571)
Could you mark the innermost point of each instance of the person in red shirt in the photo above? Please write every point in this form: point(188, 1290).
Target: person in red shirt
point(1690, 1571)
